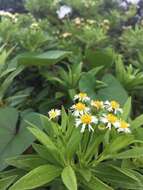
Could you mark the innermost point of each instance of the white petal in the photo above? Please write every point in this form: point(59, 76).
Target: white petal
point(107, 102)
point(103, 120)
point(109, 126)
point(94, 120)
point(78, 122)
point(116, 124)
point(76, 113)
point(63, 11)
point(127, 130)
point(90, 128)
point(83, 128)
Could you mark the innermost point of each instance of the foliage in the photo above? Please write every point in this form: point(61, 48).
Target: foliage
point(77, 159)
point(49, 53)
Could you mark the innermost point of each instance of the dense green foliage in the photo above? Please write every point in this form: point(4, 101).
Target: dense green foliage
point(49, 54)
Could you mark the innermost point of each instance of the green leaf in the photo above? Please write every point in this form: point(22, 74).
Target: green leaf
point(114, 90)
point(69, 178)
point(137, 122)
point(99, 58)
point(47, 58)
point(26, 162)
point(37, 177)
point(135, 152)
point(118, 178)
point(85, 173)
point(118, 143)
point(14, 139)
point(127, 109)
point(7, 82)
point(47, 142)
point(73, 143)
point(64, 119)
point(6, 182)
point(44, 153)
point(87, 84)
point(93, 147)
point(43, 138)
point(96, 183)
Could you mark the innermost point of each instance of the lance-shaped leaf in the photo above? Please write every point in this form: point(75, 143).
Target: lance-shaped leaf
point(37, 177)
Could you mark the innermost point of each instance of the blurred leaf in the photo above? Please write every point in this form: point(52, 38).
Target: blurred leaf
point(69, 178)
point(87, 84)
point(47, 58)
point(127, 109)
point(6, 182)
point(14, 139)
point(99, 58)
point(114, 90)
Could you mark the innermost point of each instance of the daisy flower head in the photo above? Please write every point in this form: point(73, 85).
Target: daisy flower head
point(82, 97)
point(113, 106)
point(64, 11)
point(86, 120)
point(122, 126)
point(79, 109)
point(97, 104)
point(54, 113)
point(109, 120)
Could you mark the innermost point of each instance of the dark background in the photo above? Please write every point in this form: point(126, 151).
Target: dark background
point(12, 5)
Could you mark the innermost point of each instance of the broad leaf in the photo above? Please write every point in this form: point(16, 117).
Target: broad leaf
point(26, 162)
point(14, 138)
point(114, 90)
point(69, 178)
point(47, 58)
point(87, 84)
point(99, 58)
point(37, 177)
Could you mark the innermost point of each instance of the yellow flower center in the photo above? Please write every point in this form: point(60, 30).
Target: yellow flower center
point(53, 114)
point(111, 118)
point(86, 119)
point(82, 95)
point(124, 124)
point(97, 104)
point(80, 106)
point(115, 104)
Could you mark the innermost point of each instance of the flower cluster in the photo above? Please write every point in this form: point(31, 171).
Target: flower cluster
point(9, 15)
point(90, 114)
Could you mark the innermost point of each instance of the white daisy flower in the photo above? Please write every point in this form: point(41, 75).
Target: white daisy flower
point(79, 109)
point(113, 106)
point(97, 104)
point(86, 120)
point(54, 113)
point(109, 120)
point(64, 11)
point(82, 97)
point(122, 126)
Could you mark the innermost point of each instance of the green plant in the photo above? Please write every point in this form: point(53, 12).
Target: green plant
point(8, 71)
point(39, 8)
point(131, 40)
point(94, 154)
point(130, 78)
point(14, 136)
